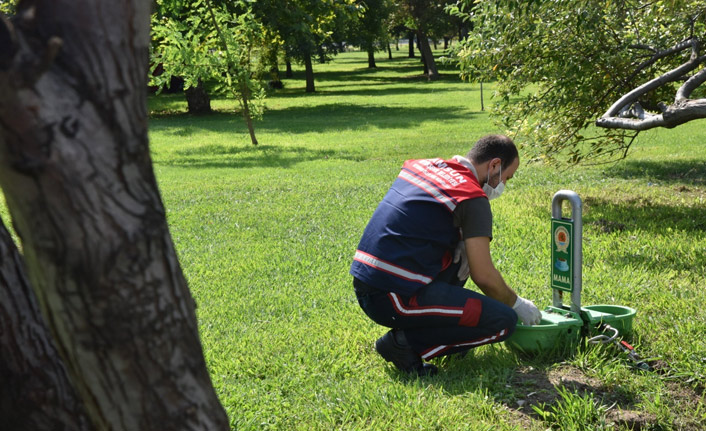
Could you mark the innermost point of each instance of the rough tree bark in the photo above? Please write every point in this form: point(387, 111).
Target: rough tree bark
point(36, 392)
point(428, 56)
point(76, 171)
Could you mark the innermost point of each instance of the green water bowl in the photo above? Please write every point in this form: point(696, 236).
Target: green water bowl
point(557, 335)
point(619, 317)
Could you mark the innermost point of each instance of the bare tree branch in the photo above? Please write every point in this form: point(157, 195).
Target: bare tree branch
point(635, 94)
point(690, 85)
point(679, 113)
point(627, 113)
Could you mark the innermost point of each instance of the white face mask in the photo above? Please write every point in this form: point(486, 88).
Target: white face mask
point(494, 192)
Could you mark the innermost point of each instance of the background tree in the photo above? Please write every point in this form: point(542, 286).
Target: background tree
point(273, 50)
point(178, 48)
point(369, 30)
point(563, 66)
point(220, 44)
point(399, 24)
point(424, 17)
point(77, 177)
point(308, 28)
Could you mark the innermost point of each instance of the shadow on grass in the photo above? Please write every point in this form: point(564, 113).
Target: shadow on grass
point(371, 90)
point(355, 75)
point(319, 118)
point(344, 116)
point(640, 214)
point(250, 156)
point(401, 69)
point(400, 76)
point(687, 171)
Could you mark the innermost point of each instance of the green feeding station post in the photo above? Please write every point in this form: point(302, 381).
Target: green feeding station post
point(562, 326)
point(567, 256)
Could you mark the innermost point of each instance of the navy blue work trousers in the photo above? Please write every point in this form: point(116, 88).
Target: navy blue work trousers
point(441, 317)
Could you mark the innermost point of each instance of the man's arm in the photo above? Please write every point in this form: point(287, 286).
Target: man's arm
point(483, 272)
point(489, 280)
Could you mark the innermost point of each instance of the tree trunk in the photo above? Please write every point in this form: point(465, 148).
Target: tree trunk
point(309, 74)
point(371, 58)
point(411, 44)
point(425, 66)
point(389, 52)
point(272, 60)
point(36, 392)
point(462, 32)
point(482, 103)
point(77, 176)
point(430, 64)
point(446, 42)
point(246, 112)
point(288, 67)
point(422, 58)
point(198, 100)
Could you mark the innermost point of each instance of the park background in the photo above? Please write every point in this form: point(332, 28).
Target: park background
point(265, 235)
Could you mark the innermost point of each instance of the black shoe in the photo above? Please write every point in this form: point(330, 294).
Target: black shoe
point(393, 347)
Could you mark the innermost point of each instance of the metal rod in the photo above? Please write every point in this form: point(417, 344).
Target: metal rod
point(576, 207)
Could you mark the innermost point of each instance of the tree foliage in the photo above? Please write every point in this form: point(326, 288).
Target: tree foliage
point(308, 28)
point(370, 29)
point(219, 44)
point(561, 65)
point(8, 6)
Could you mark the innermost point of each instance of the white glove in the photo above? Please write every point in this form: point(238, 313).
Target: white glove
point(528, 313)
point(460, 254)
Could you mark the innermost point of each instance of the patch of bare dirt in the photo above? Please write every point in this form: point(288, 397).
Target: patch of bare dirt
point(536, 387)
point(631, 419)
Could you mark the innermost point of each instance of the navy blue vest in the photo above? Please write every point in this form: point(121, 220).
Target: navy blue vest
point(411, 236)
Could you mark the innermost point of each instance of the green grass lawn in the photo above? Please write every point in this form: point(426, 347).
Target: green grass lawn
point(266, 234)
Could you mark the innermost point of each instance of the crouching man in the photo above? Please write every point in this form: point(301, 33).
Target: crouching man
point(430, 232)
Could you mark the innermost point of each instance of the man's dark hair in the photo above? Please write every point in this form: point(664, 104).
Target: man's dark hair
point(491, 146)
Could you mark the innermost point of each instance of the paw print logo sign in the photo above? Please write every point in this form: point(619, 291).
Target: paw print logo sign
point(561, 238)
point(562, 274)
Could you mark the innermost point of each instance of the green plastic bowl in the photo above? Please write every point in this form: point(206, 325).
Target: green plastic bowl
point(557, 335)
point(619, 317)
